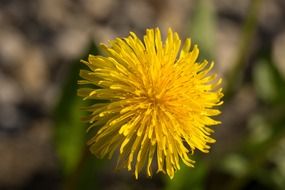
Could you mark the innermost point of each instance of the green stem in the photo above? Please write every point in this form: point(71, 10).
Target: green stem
point(249, 28)
point(71, 181)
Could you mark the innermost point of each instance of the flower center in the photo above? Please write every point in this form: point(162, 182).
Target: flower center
point(154, 97)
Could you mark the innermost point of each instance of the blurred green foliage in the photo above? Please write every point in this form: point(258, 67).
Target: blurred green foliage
point(202, 28)
point(69, 130)
point(268, 82)
point(189, 177)
point(78, 167)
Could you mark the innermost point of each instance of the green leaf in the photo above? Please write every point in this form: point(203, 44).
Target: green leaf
point(70, 131)
point(202, 27)
point(268, 82)
point(189, 178)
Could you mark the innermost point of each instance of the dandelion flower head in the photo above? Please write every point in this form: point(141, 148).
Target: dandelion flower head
point(156, 102)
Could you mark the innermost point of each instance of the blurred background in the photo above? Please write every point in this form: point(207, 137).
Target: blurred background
point(42, 140)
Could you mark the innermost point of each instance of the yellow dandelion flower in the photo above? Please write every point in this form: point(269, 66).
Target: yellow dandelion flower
point(156, 106)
